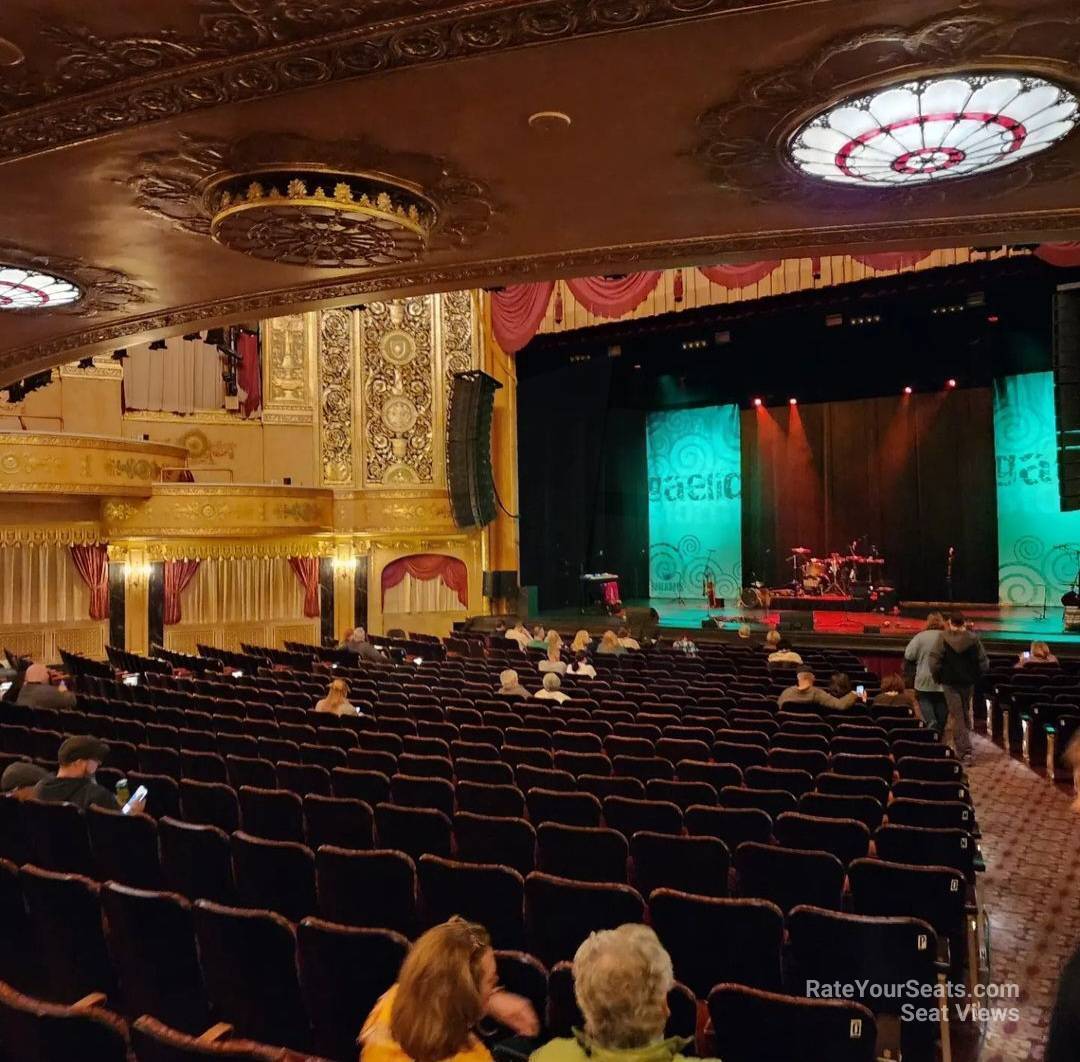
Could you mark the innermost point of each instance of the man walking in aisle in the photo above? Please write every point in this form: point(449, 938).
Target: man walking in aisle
point(958, 661)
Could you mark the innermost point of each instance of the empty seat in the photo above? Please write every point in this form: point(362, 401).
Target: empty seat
point(774, 802)
point(605, 785)
point(303, 778)
point(690, 864)
point(196, 860)
point(924, 846)
point(712, 939)
point(570, 809)
point(151, 941)
point(880, 766)
point(125, 847)
point(276, 875)
point(488, 772)
point(274, 814)
point(863, 809)
point(933, 814)
point(58, 837)
point(730, 825)
point(795, 782)
point(643, 768)
point(493, 839)
point(480, 892)
point(504, 801)
point(628, 816)
point(582, 853)
point(581, 763)
point(202, 766)
point(927, 769)
point(415, 831)
point(332, 956)
point(718, 775)
point(426, 766)
point(247, 770)
point(789, 877)
point(410, 792)
point(248, 960)
point(337, 821)
point(526, 778)
point(371, 787)
point(682, 794)
point(32, 1030)
point(847, 839)
point(852, 785)
point(755, 1026)
point(375, 888)
point(210, 804)
point(560, 914)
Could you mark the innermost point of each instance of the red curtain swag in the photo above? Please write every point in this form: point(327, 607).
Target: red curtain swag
point(516, 313)
point(607, 297)
point(307, 571)
point(92, 564)
point(178, 573)
point(426, 566)
point(739, 276)
point(1059, 254)
point(892, 259)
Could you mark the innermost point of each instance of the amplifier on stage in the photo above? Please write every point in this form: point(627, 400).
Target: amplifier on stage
point(1072, 619)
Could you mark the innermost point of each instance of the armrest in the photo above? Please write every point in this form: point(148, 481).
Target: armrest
point(95, 999)
point(216, 1033)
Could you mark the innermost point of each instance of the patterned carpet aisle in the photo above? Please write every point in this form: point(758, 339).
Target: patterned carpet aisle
point(1030, 841)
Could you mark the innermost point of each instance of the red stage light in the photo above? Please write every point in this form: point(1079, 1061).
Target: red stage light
point(950, 383)
point(757, 403)
point(793, 401)
point(907, 390)
point(993, 318)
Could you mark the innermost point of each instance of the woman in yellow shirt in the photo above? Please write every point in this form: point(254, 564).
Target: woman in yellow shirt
point(448, 982)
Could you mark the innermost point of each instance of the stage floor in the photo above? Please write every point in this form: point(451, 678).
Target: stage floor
point(995, 623)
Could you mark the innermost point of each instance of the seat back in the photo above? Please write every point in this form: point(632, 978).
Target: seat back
point(492, 839)
point(691, 864)
point(196, 860)
point(491, 895)
point(415, 831)
point(628, 816)
point(582, 853)
point(210, 804)
point(567, 808)
point(58, 837)
point(273, 814)
point(789, 877)
point(373, 889)
point(32, 1030)
point(337, 821)
point(276, 875)
point(730, 825)
point(847, 839)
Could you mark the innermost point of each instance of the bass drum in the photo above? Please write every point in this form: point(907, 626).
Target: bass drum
point(754, 597)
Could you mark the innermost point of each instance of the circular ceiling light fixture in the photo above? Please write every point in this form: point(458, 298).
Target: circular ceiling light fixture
point(30, 289)
point(934, 128)
point(314, 217)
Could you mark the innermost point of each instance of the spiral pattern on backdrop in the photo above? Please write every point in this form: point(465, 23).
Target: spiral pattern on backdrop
point(1059, 568)
point(690, 453)
point(665, 564)
point(1029, 550)
point(1019, 584)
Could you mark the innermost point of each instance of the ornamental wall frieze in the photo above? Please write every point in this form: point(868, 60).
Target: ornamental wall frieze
point(743, 143)
point(254, 49)
point(104, 368)
point(58, 535)
point(289, 347)
point(878, 235)
point(336, 370)
point(219, 417)
point(211, 549)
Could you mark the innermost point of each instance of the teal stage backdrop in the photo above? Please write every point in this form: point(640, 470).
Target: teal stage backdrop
point(1030, 520)
point(695, 501)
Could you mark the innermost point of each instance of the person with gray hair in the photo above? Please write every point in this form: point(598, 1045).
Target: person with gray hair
point(622, 978)
point(551, 691)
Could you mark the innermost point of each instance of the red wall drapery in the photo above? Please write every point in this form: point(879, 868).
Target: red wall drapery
point(608, 297)
point(92, 564)
point(1059, 254)
point(739, 276)
point(516, 313)
point(425, 566)
point(892, 259)
point(307, 571)
point(178, 573)
point(249, 373)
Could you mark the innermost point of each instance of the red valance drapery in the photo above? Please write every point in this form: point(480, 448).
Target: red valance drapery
point(1059, 254)
point(426, 566)
point(516, 313)
point(614, 296)
point(739, 276)
point(892, 259)
point(307, 571)
point(178, 573)
point(92, 563)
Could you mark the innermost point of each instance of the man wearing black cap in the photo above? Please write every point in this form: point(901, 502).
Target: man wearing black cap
point(805, 692)
point(73, 783)
point(19, 779)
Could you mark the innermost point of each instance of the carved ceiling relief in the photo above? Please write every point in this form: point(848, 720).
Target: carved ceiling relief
point(397, 368)
point(288, 344)
point(336, 360)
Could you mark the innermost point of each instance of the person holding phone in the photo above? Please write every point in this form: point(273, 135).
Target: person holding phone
point(74, 783)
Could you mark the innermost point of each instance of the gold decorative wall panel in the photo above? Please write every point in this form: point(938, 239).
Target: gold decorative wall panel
point(423, 510)
point(43, 644)
point(185, 638)
point(397, 369)
point(37, 462)
point(104, 368)
point(336, 362)
point(289, 346)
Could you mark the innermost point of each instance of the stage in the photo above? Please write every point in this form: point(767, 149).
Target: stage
point(1000, 626)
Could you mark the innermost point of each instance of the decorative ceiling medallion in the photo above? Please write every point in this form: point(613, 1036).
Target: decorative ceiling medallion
point(46, 283)
point(265, 196)
point(31, 289)
point(320, 218)
point(398, 347)
point(1006, 89)
point(934, 129)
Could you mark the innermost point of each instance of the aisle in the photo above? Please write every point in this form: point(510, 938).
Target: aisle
point(1031, 844)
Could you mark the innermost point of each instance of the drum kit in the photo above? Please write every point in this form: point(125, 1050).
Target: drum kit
point(836, 573)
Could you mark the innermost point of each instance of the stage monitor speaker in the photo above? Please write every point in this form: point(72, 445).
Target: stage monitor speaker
point(713, 623)
point(500, 584)
point(642, 621)
point(1067, 392)
point(468, 448)
point(793, 620)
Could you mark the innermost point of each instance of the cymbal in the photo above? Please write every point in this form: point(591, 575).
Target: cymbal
point(800, 550)
point(873, 560)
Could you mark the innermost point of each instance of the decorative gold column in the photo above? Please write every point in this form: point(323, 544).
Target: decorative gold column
point(336, 370)
point(136, 599)
point(344, 586)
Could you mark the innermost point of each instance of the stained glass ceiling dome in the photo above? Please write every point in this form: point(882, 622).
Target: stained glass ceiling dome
point(934, 128)
point(30, 289)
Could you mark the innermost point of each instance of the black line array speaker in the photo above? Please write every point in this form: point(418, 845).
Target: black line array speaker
point(1067, 392)
point(468, 448)
point(500, 584)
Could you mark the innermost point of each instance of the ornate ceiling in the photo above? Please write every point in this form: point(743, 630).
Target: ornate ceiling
point(122, 123)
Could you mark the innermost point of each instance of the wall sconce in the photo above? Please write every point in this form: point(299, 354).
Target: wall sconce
point(344, 564)
point(137, 573)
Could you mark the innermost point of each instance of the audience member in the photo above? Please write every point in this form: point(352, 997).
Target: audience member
point(79, 758)
point(38, 692)
point(609, 643)
point(553, 661)
point(622, 978)
point(894, 692)
point(626, 640)
point(448, 982)
point(19, 779)
point(581, 666)
point(582, 641)
point(509, 686)
point(805, 692)
point(356, 641)
point(839, 684)
point(928, 691)
point(519, 633)
point(780, 651)
point(958, 661)
point(1063, 1038)
point(551, 691)
point(744, 631)
point(539, 638)
point(336, 701)
point(1039, 653)
point(683, 644)
point(1071, 757)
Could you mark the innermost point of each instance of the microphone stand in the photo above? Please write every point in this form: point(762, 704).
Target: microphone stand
point(948, 572)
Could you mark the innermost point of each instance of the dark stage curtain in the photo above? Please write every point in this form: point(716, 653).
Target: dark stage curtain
point(583, 483)
point(914, 474)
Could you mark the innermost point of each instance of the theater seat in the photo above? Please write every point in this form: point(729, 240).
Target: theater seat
point(485, 893)
point(32, 1030)
point(375, 889)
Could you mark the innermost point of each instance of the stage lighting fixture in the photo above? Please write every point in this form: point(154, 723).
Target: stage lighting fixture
point(159, 344)
point(950, 383)
point(119, 355)
point(38, 380)
point(757, 403)
point(85, 363)
point(992, 318)
point(215, 337)
point(908, 390)
point(16, 392)
point(793, 401)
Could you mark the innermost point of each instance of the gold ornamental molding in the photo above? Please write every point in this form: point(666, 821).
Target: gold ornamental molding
point(289, 346)
point(211, 549)
point(219, 417)
point(211, 510)
point(104, 368)
point(51, 535)
point(36, 463)
point(380, 511)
